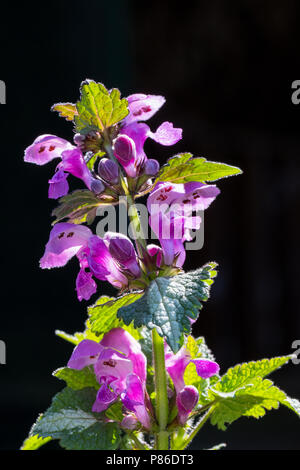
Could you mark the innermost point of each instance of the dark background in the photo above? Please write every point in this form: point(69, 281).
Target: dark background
point(226, 70)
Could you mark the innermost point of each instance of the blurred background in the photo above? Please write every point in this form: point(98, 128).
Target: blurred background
point(226, 70)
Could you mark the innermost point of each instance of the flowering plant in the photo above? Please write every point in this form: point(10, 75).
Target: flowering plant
point(137, 378)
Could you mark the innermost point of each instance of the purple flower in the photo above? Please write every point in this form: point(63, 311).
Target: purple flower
point(125, 152)
point(171, 208)
point(151, 167)
point(186, 396)
point(111, 259)
point(141, 108)
point(65, 241)
point(45, 148)
point(48, 147)
point(120, 368)
point(108, 170)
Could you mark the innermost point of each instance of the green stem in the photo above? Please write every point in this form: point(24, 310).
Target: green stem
point(162, 406)
point(196, 430)
point(136, 224)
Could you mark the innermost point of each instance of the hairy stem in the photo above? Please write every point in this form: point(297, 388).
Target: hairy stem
point(201, 423)
point(162, 406)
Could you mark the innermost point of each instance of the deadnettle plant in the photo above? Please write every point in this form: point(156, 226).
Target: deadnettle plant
point(137, 379)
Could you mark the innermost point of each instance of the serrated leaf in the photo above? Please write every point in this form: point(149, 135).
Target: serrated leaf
point(66, 110)
point(34, 442)
point(243, 391)
point(197, 347)
point(183, 168)
point(242, 374)
point(99, 108)
point(169, 303)
point(78, 207)
point(103, 314)
point(77, 379)
point(293, 404)
point(70, 420)
point(252, 400)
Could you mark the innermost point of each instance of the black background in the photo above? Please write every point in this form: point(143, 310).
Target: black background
point(226, 70)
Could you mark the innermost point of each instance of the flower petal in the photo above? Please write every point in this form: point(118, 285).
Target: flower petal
point(85, 354)
point(45, 148)
point(102, 263)
point(206, 368)
point(73, 162)
point(122, 341)
point(105, 398)
point(85, 285)
point(113, 364)
point(123, 251)
point(58, 185)
point(166, 134)
point(143, 107)
point(65, 241)
point(176, 365)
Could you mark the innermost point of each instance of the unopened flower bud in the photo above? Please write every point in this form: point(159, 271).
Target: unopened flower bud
point(97, 186)
point(122, 250)
point(129, 422)
point(124, 148)
point(188, 397)
point(79, 139)
point(108, 170)
point(151, 167)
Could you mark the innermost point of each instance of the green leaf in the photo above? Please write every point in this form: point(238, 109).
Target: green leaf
point(183, 168)
point(66, 110)
point(77, 379)
point(78, 207)
point(34, 442)
point(243, 391)
point(71, 420)
point(98, 108)
point(293, 404)
point(242, 374)
point(251, 400)
point(114, 412)
point(197, 347)
point(169, 303)
point(103, 314)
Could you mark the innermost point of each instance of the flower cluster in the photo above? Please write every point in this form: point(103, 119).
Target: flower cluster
point(128, 150)
point(171, 206)
point(111, 161)
point(121, 370)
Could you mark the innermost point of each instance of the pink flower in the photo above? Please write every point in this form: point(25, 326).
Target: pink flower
point(171, 208)
point(48, 147)
point(131, 153)
point(186, 396)
point(111, 259)
point(120, 368)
